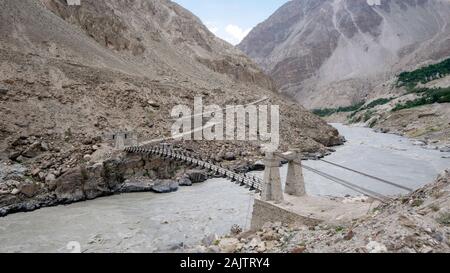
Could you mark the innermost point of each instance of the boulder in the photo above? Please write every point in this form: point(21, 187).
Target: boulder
point(10, 184)
point(96, 185)
point(185, 181)
point(113, 173)
point(236, 229)
point(257, 166)
point(69, 186)
point(14, 155)
point(197, 176)
point(32, 151)
point(153, 104)
point(42, 176)
point(136, 185)
point(14, 172)
point(419, 143)
point(4, 187)
point(20, 159)
point(165, 186)
point(376, 247)
point(87, 157)
point(22, 140)
point(44, 146)
point(50, 178)
point(50, 181)
point(229, 156)
point(35, 172)
point(29, 189)
point(3, 90)
point(229, 245)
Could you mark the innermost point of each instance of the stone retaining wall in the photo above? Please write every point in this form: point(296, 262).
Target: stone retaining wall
point(265, 212)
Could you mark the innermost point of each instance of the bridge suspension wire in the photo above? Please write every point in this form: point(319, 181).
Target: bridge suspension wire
point(367, 192)
point(368, 175)
point(358, 172)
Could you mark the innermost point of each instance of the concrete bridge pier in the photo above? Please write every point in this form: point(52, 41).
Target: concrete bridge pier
point(272, 189)
point(119, 142)
point(124, 139)
point(295, 182)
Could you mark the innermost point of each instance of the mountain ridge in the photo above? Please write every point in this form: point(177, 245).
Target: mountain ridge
point(76, 72)
point(333, 52)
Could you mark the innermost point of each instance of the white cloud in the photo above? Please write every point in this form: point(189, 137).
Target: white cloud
point(231, 33)
point(212, 27)
point(235, 34)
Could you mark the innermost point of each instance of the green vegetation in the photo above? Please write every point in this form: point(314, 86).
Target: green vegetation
point(428, 96)
point(339, 229)
point(417, 203)
point(444, 219)
point(424, 75)
point(435, 208)
point(410, 80)
point(368, 115)
point(356, 108)
point(330, 111)
point(377, 102)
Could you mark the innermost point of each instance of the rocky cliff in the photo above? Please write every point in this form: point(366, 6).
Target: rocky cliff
point(329, 53)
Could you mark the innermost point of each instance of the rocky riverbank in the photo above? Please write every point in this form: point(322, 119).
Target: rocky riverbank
point(417, 223)
point(122, 173)
point(23, 189)
point(40, 172)
point(62, 99)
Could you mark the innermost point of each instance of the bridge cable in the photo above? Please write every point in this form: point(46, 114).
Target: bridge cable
point(349, 185)
point(370, 176)
point(358, 172)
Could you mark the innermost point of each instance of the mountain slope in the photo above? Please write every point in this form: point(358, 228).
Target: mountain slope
point(71, 75)
point(332, 52)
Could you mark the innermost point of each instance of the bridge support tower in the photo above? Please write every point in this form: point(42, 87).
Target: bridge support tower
point(295, 182)
point(272, 189)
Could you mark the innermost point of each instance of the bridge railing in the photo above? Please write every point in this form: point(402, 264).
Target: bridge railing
point(246, 180)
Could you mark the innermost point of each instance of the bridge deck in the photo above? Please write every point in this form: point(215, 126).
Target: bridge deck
point(245, 180)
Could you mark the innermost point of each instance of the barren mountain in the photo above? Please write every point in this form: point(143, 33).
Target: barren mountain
point(70, 76)
point(95, 67)
point(333, 52)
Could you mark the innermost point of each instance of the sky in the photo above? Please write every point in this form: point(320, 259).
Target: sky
point(231, 20)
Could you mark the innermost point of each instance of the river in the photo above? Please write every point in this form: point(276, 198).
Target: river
point(148, 222)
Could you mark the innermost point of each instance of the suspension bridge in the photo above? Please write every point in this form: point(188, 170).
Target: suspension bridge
point(251, 182)
point(270, 186)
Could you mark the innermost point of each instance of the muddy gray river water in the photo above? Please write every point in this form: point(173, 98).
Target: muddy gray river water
point(148, 222)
